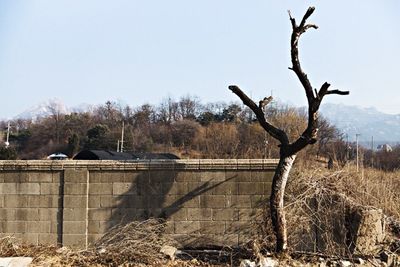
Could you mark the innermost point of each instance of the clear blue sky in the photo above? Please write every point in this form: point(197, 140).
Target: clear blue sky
point(142, 51)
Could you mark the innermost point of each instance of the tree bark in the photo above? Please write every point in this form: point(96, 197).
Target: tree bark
point(276, 201)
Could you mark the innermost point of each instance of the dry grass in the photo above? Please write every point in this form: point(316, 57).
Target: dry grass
point(318, 200)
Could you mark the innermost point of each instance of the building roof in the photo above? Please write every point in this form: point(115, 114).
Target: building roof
point(113, 155)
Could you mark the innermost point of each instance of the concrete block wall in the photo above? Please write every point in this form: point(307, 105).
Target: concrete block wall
point(29, 205)
point(205, 202)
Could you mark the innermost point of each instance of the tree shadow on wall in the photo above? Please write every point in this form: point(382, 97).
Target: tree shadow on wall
point(155, 194)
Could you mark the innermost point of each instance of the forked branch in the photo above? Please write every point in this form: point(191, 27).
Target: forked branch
point(272, 130)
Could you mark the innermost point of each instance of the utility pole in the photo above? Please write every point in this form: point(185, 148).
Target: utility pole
point(118, 145)
point(122, 137)
point(372, 152)
point(8, 135)
point(357, 135)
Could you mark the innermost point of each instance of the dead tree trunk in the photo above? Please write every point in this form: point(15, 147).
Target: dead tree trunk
point(289, 150)
point(276, 200)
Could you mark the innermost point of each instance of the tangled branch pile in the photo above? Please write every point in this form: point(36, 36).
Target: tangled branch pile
point(136, 243)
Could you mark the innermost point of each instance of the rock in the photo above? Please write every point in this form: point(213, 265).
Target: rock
point(15, 261)
point(62, 250)
point(101, 251)
point(247, 263)
point(367, 230)
point(267, 262)
point(344, 263)
point(359, 261)
point(169, 251)
point(389, 258)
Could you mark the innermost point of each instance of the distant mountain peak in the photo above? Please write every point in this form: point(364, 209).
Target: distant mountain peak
point(50, 107)
point(369, 122)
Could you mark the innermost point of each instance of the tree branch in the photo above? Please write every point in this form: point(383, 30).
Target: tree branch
point(272, 130)
point(309, 136)
point(337, 92)
point(265, 102)
point(296, 67)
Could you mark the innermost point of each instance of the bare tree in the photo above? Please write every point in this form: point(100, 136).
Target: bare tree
point(288, 150)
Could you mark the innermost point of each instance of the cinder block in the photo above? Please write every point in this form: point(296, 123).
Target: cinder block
point(16, 177)
point(197, 214)
point(8, 188)
point(7, 214)
point(47, 239)
point(237, 227)
point(42, 177)
point(161, 176)
point(124, 189)
point(239, 201)
point(267, 189)
point(175, 214)
point(211, 201)
point(176, 188)
point(154, 188)
point(155, 201)
point(92, 238)
point(100, 189)
point(74, 214)
point(14, 227)
point(99, 214)
point(95, 176)
point(249, 214)
point(30, 238)
point(189, 201)
point(205, 188)
point(250, 189)
point(212, 176)
point(56, 175)
point(38, 226)
point(112, 201)
point(212, 227)
point(34, 201)
point(238, 176)
point(187, 227)
point(98, 227)
point(226, 189)
point(75, 189)
point(49, 201)
point(128, 214)
point(48, 214)
point(94, 201)
point(187, 176)
point(78, 227)
point(170, 200)
point(128, 201)
point(129, 177)
point(75, 201)
point(75, 176)
point(28, 189)
point(15, 201)
point(225, 214)
point(55, 227)
point(27, 214)
point(74, 240)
